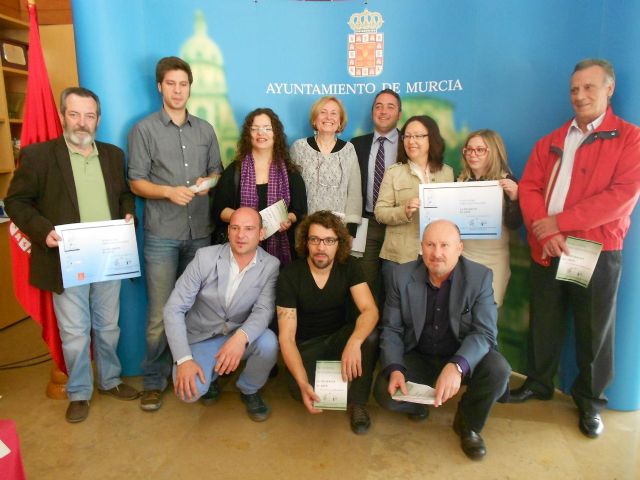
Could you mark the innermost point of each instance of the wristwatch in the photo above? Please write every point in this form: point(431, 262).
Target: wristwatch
point(459, 368)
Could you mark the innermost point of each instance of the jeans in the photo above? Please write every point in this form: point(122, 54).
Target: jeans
point(164, 262)
point(78, 310)
point(261, 356)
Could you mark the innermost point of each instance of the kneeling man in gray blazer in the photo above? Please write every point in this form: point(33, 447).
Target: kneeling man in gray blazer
point(218, 314)
point(439, 328)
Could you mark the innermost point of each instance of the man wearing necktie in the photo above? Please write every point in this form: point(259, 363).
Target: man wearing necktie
point(376, 151)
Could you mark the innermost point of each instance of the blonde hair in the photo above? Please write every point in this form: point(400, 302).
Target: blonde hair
point(498, 165)
point(321, 102)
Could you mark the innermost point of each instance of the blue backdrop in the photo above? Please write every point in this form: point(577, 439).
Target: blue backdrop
point(494, 64)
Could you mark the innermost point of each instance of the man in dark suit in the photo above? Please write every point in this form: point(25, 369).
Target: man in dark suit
point(439, 328)
point(376, 151)
point(75, 179)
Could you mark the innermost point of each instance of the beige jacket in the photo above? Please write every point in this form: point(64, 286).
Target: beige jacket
point(402, 236)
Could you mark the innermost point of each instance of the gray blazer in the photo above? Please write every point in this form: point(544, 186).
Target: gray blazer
point(196, 308)
point(473, 313)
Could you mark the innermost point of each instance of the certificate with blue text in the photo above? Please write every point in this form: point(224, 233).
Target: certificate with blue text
point(475, 207)
point(97, 252)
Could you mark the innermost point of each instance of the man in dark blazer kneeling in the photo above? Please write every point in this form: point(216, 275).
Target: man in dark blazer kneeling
point(439, 328)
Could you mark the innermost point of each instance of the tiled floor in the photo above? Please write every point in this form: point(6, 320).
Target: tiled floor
point(538, 440)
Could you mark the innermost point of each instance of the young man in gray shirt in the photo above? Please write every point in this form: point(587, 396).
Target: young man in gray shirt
point(171, 154)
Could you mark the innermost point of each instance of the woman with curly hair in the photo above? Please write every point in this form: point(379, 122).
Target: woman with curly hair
point(261, 175)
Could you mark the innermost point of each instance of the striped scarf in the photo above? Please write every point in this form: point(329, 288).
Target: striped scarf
point(277, 188)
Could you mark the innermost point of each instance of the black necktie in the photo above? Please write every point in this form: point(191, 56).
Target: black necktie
point(378, 171)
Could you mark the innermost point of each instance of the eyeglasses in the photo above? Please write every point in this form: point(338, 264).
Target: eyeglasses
point(415, 137)
point(328, 241)
point(261, 130)
point(480, 151)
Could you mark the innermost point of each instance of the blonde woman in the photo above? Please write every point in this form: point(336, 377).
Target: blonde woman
point(329, 165)
point(485, 158)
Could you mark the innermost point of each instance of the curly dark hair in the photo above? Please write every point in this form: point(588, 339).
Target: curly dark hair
point(325, 219)
point(436, 142)
point(280, 149)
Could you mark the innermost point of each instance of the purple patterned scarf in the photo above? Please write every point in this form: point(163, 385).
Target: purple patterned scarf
point(277, 188)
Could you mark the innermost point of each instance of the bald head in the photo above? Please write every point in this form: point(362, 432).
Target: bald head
point(441, 249)
point(246, 212)
point(245, 232)
point(442, 225)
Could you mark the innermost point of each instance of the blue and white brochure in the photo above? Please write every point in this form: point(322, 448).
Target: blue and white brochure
point(97, 252)
point(475, 207)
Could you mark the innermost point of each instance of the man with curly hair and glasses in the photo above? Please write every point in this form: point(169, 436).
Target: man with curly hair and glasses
point(312, 297)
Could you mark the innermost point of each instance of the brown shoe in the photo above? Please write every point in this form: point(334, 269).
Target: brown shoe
point(77, 411)
point(151, 400)
point(122, 392)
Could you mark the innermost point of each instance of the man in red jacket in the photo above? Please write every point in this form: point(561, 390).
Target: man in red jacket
point(581, 180)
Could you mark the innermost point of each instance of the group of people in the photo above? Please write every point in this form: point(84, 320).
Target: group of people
point(423, 303)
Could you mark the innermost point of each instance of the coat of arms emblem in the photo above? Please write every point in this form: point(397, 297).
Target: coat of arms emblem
point(366, 45)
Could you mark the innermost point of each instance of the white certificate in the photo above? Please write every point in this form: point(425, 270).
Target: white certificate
point(360, 241)
point(475, 207)
point(205, 185)
point(578, 266)
point(97, 251)
point(329, 386)
point(416, 393)
point(272, 216)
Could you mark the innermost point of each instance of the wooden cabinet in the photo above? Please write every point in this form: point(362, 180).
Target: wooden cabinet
point(13, 86)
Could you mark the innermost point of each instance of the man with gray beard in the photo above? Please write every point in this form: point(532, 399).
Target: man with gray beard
point(75, 179)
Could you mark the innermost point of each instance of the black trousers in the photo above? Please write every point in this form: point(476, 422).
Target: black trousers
point(330, 347)
point(370, 260)
point(594, 311)
point(484, 387)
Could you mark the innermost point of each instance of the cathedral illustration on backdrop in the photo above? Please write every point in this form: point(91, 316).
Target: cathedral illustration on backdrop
point(209, 98)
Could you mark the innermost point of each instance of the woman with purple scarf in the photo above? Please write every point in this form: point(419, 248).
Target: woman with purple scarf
point(261, 175)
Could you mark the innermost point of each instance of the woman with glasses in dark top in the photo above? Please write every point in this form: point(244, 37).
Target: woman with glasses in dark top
point(485, 158)
point(261, 175)
point(329, 165)
point(420, 160)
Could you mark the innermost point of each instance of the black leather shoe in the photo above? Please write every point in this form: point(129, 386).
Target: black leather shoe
point(591, 424)
point(212, 395)
point(257, 410)
point(358, 418)
point(471, 442)
point(419, 416)
point(524, 393)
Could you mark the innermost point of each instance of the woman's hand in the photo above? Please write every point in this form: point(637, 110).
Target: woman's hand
point(510, 188)
point(412, 206)
point(291, 219)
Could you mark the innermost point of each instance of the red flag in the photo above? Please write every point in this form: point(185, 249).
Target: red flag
point(40, 123)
